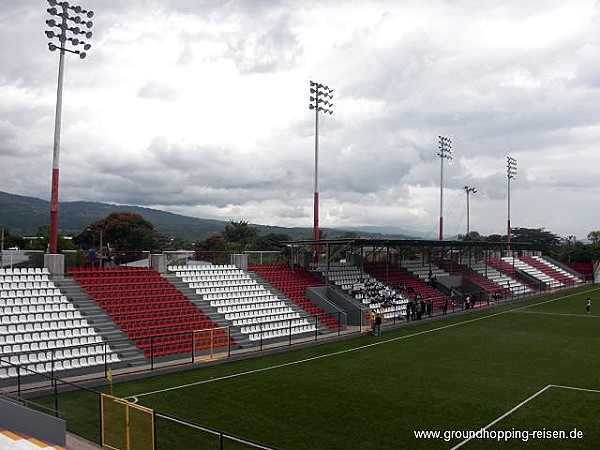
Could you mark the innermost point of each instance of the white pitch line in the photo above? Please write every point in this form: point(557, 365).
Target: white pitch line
point(541, 391)
point(557, 314)
point(506, 414)
point(341, 352)
point(574, 388)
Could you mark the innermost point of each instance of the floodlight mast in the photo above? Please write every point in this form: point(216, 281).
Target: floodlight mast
point(511, 174)
point(444, 152)
point(65, 35)
point(319, 101)
point(469, 190)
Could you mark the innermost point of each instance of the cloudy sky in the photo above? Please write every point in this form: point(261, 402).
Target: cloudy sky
point(201, 108)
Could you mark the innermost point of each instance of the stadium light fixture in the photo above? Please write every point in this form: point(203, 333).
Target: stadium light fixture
point(469, 190)
point(444, 152)
point(320, 96)
point(511, 174)
point(68, 38)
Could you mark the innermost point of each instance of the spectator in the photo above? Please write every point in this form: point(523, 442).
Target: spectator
point(377, 328)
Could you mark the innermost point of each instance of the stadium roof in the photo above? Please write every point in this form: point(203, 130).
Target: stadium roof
point(385, 242)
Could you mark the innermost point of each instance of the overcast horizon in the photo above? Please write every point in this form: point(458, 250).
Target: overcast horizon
point(201, 108)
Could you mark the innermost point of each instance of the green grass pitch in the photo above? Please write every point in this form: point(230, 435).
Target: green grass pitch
point(459, 373)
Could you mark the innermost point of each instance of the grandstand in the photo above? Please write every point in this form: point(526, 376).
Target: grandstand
point(41, 330)
point(92, 322)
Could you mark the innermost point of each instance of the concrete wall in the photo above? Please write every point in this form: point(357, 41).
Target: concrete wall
point(240, 260)
point(319, 295)
point(159, 262)
point(55, 264)
point(18, 418)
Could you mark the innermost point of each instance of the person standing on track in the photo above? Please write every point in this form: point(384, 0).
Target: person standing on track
point(588, 305)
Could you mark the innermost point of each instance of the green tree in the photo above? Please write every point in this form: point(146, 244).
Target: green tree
point(547, 242)
point(42, 238)
point(10, 240)
point(212, 243)
point(124, 231)
point(472, 236)
point(272, 241)
point(594, 237)
point(241, 234)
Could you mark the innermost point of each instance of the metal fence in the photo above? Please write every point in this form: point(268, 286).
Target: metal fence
point(118, 424)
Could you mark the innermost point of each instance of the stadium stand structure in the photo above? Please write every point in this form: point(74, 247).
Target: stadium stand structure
point(151, 311)
point(293, 283)
point(545, 279)
point(510, 284)
point(365, 288)
point(421, 271)
point(255, 311)
point(515, 276)
point(586, 269)
point(552, 270)
point(40, 328)
point(412, 283)
point(486, 284)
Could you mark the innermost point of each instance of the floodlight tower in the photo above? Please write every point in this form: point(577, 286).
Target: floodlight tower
point(469, 190)
point(68, 40)
point(319, 101)
point(511, 174)
point(444, 152)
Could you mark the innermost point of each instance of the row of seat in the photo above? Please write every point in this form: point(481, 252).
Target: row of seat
point(95, 271)
point(24, 271)
point(281, 332)
point(267, 318)
point(203, 282)
point(158, 323)
point(63, 309)
point(239, 297)
point(117, 309)
point(53, 355)
point(217, 269)
point(49, 344)
point(145, 316)
point(38, 300)
point(181, 329)
point(200, 339)
point(26, 332)
point(247, 287)
point(41, 321)
point(125, 289)
point(258, 311)
point(6, 285)
point(24, 278)
point(170, 298)
point(251, 307)
point(57, 366)
point(218, 301)
point(12, 293)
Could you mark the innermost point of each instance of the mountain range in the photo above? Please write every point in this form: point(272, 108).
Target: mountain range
point(24, 215)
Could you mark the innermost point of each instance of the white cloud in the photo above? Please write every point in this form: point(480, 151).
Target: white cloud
point(202, 108)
